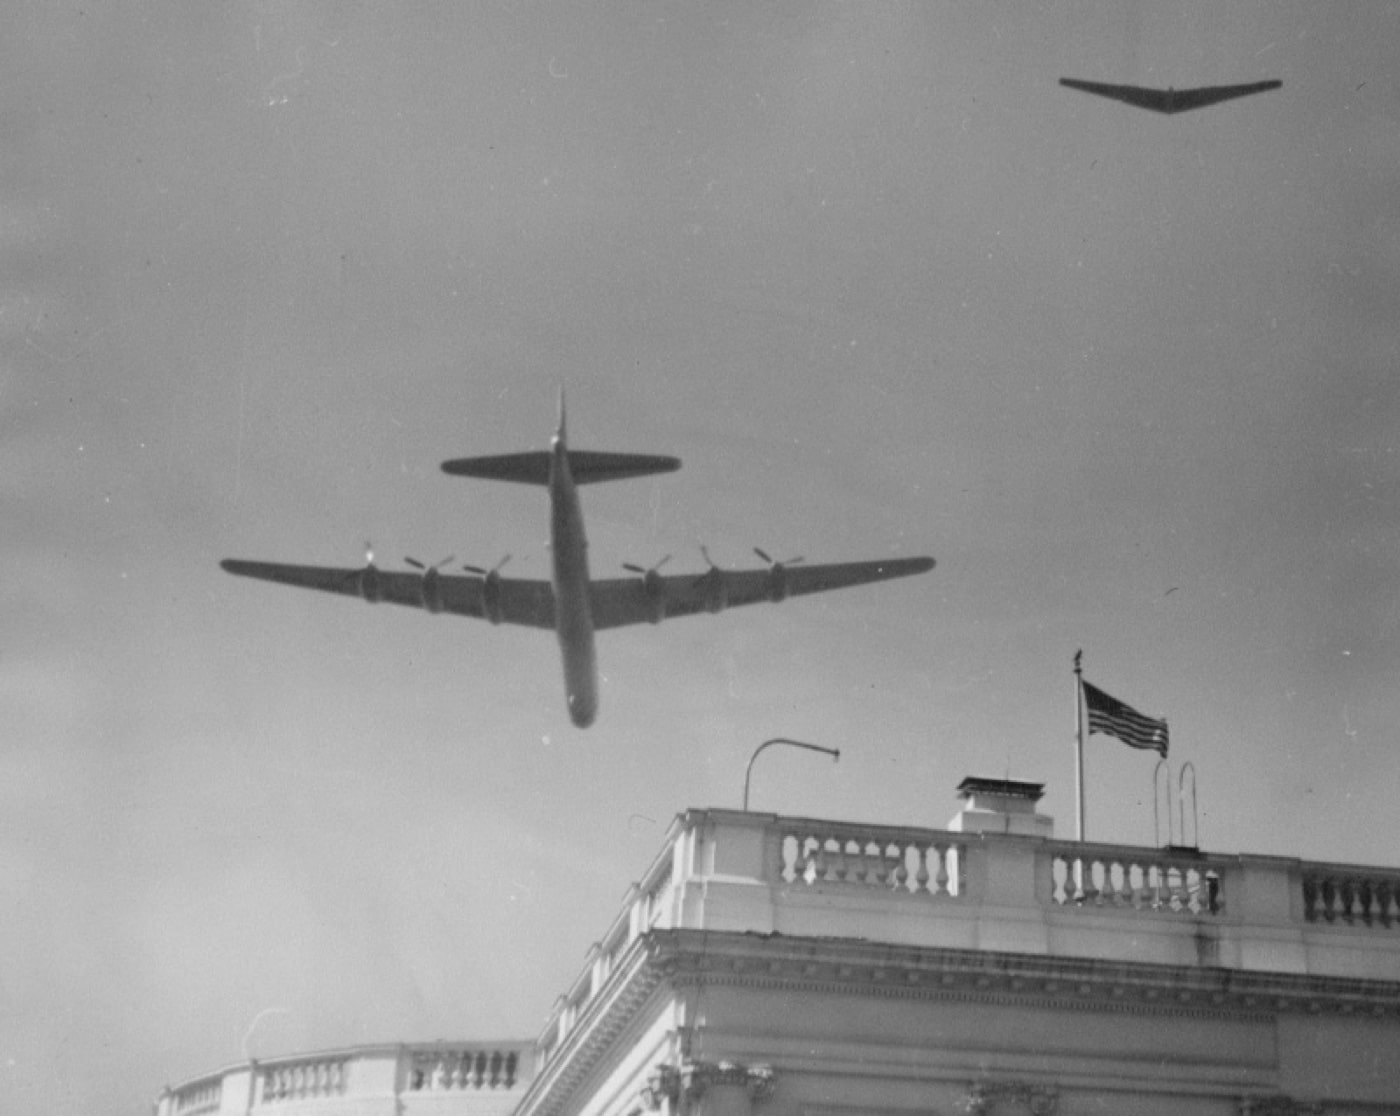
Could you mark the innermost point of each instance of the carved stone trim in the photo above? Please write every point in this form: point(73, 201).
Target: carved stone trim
point(693, 1079)
point(697, 1077)
point(663, 1084)
point(984, 1096)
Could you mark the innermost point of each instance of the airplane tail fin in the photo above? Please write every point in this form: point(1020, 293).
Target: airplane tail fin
point(586, 466)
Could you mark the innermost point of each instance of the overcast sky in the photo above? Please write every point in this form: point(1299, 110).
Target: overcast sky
point(883, 285)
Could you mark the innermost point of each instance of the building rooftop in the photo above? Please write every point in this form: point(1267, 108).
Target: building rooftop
point(993, 905)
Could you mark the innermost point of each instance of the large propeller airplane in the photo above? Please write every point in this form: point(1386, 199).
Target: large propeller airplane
point(1169, 101)
point(572, 603)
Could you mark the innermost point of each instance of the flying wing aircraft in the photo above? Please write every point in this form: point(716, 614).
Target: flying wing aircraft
point(571, 603)
point(1170, 100)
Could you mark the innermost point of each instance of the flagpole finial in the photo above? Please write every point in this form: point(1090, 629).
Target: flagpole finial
point(1078, 661)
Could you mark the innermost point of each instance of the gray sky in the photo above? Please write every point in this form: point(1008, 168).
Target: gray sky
point(883, 285)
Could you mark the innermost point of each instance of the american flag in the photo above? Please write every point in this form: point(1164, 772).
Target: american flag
point(1110, 716)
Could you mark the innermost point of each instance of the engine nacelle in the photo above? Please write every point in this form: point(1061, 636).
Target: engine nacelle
point(777, 583)
point(656, 596)
point(490, 589)
point(371, 588)
point(430, 590)
point(714, 590)
point(491, 597)
point(777, 575)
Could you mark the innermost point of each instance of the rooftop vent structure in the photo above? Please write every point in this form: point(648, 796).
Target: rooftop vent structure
point(1001, 806)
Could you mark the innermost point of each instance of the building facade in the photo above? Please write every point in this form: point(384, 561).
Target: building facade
point(773, 966)
point(796, 967)
point(418, 1079)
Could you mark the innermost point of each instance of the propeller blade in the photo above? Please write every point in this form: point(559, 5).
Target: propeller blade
point(417, 565)
point(773, 561)
point(636, 569)
point(486, 573)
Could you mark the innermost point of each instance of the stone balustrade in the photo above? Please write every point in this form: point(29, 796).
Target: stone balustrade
point(913, 861)
point(727, 870)
point(455, 1069)
point(1337, 894)
point(196, 1097)
point(1145, 880)
point(302, 1078)
point(436, 1079)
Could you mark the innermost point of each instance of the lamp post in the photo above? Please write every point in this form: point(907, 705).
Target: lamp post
point(834, 753)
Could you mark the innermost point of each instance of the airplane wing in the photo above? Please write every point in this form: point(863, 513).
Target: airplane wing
point(635, 600)
point(1169, 100)
point(505, 600)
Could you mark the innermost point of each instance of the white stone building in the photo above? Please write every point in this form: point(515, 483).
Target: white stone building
point(771, 966)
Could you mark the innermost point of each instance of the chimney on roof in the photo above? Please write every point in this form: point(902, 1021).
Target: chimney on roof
point(1001, 806)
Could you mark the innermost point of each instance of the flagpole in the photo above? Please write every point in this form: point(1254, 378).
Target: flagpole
point(1079, 746)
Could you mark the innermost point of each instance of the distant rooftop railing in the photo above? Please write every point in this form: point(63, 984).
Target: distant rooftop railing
point(488, 1078)
point(725, 870)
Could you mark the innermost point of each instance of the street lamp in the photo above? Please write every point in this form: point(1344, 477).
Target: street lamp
point(834, 753)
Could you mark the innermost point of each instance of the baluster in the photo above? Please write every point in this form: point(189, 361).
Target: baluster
point(1089, 884)
point(819, 859)
point(801, 860)
point(512, 1061)
point(1181, 898)
point(854, 852)
point(1137, 875)
point(874, 864)
point(1365, 900)
point(1310, 898)
point(1193, 890)
point(1329, 895)
point(899, 870)
point(847, 865)
point(1384, 895)
point(940, 882)
point(1346, 893)
point(838, 860)
point(1116, 876)
point(921, 876)
point(479, 1074)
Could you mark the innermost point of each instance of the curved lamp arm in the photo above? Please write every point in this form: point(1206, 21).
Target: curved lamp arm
point(834, 753)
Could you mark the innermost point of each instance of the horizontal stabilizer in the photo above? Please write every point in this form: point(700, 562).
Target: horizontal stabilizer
point(586, 466)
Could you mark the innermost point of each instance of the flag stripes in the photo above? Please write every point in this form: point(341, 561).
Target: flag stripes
point(1111, 717)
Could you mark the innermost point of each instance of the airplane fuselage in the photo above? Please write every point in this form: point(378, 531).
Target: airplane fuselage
point(573, 614)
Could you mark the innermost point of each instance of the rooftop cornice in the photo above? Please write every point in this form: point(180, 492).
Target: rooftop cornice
point(604, 1017)
point(872, 969)
point(683, 958)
